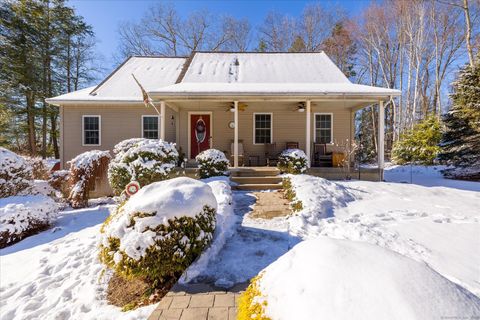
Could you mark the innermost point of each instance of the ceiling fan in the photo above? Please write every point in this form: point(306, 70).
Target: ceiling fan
point(241, 107)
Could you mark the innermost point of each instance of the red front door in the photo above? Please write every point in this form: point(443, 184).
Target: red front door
point(199, 133)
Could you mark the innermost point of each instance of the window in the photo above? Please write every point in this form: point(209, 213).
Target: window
point(91, 130)
point(323, 128)
point(262, 128)
point(150, 127)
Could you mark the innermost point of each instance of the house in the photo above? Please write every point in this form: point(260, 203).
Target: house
point(240, 103)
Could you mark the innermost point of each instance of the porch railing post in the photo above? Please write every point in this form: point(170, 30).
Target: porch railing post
point(162, 120)
point(308, 132)
point(235, 136)
point(381, 138)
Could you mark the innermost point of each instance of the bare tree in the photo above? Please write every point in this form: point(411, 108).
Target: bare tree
point(238, 32)
point(278, 31)
point(162, 31)
point(316, 24)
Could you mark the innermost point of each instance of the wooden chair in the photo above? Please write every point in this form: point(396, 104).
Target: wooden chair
point(321, 158)
point(271, 154)
point(291, 145)
point(241, 153)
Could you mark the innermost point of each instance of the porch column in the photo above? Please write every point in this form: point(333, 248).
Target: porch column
point(381, 138)
point(235, 135)
point(308, 132)
point(162, 120)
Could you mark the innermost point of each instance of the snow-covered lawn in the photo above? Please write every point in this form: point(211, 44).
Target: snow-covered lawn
point(56, 274)
point(433, 221)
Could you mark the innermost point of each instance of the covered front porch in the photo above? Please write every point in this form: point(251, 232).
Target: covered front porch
point(250, 131)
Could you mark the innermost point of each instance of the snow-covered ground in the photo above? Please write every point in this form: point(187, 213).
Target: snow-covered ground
point(342, 280)
point(432, 220)
point(431, 224)
point(56, 274)
point(254, 244)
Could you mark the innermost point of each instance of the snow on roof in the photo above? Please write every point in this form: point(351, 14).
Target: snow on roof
point(220, 73)
point(272, 89)
point(151, 72)
point(212, 73)
point(252, 67)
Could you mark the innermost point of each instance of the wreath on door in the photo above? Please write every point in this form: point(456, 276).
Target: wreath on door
point(200, 130)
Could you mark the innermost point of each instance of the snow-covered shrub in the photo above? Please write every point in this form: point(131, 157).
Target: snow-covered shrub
point(160, 230)
point(141, 160)
point(84, 169)
point(293, 161)
point(39, 169)
point(211, 163)
point(59, 180)
point(23, 216)
point(15, 173)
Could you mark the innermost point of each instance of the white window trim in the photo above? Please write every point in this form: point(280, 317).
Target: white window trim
point(151, 116)
point(271, 126)
point(315, 126)
point(99, 130)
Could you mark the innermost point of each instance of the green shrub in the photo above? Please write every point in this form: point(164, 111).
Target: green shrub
point(141, 160)
point(160, 231)
point(290, 195)
point(293, 161)
point(212, 163)
point(419, 145)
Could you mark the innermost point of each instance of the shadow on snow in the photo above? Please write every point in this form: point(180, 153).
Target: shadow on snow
point(67, 222)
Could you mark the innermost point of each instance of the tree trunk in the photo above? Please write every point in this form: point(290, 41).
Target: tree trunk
point(53, 133)
point(32, 141)
point(468, 32)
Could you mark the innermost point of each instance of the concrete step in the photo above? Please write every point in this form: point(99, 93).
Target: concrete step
point(257, 180)
point(257, 186)
point(247, 172)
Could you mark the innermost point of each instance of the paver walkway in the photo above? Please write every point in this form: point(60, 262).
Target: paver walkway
point(255, 244)
point(199, 302)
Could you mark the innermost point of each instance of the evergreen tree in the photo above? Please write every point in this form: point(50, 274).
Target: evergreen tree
point(32, 68)
point(262, 46)
point(419, 145)
point(341, 48)
point(298, 45)
point(461, 140)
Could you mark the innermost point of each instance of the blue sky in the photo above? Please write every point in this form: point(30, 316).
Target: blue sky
point(106, 15)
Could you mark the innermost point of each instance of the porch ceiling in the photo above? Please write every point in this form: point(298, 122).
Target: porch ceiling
point(225, 102)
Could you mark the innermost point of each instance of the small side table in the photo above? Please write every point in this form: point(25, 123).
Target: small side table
point(253, 160)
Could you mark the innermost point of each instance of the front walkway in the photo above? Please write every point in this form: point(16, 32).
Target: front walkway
point(260, 238)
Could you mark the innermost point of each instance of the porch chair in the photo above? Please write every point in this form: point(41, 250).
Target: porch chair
point(321, 158)
point(271, 154)
point(291, 145)
point(241, 153)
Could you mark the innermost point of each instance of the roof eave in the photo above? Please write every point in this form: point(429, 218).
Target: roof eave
point(306, 95)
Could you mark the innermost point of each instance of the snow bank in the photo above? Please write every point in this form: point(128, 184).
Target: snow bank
point(340, 279)
point(158, 202)
point(319, 198)
point(15, 173)
point(56, 274)
point(21, 216)
point(224, 226)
